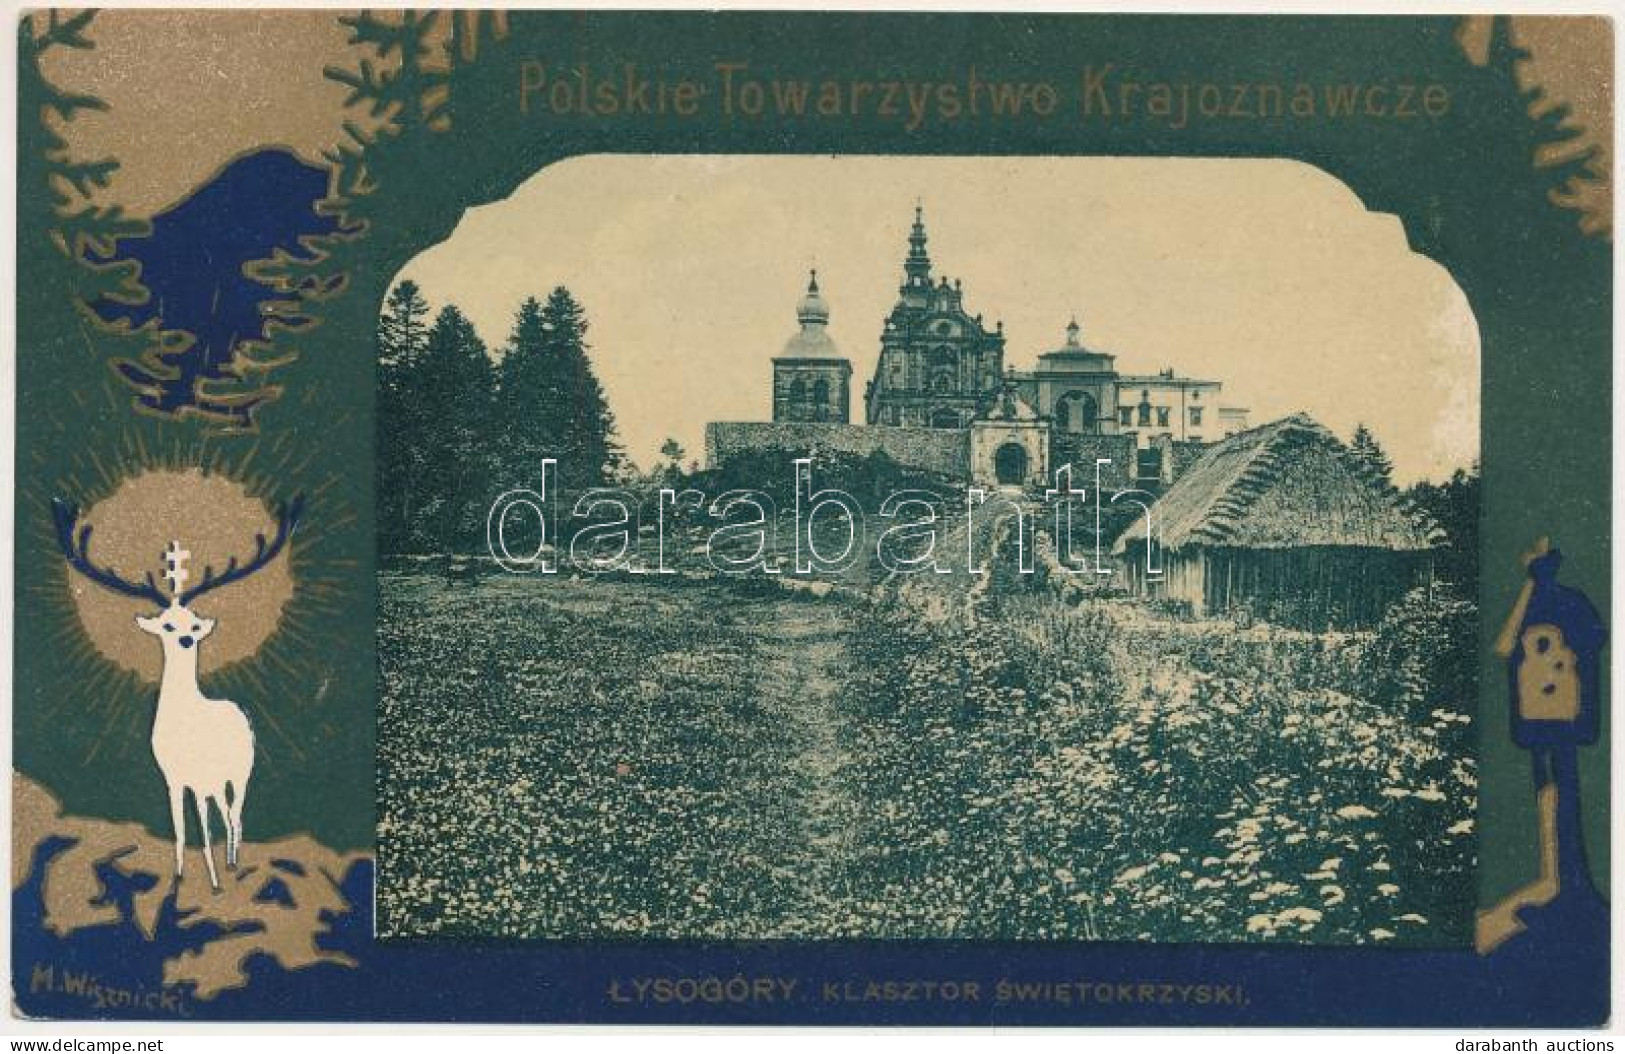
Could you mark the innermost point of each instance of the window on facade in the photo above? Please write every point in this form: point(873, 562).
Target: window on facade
point(820, 391)
point(1145, 415)
point(798, 390)
point(1063, 415)
point(1196, 415)
point(1125, 415)
point(1162, 417)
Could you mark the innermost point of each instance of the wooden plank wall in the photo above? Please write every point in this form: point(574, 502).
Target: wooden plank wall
point(1313, 586)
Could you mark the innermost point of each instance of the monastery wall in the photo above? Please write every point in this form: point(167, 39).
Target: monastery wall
point(1083, 450)
point(940, 450)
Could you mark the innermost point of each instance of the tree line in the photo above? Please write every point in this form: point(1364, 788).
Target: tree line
point(457, 424)
point(1452, 504)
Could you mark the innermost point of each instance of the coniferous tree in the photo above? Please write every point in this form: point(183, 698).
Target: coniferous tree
point(588, 450)
point(64, 233)
point(402, 330)
point(57, 190)
point(530, 414)
point(402, 341)
point(456, 389)
point(1455, 506)
point(1370, 454)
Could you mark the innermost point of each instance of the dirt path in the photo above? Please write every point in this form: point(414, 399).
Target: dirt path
point(802, 653)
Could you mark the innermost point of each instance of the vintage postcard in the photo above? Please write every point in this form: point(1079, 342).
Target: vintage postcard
point(812, 518)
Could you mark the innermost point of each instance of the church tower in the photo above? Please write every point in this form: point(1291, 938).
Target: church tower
point(939, 366)
point(811, 381)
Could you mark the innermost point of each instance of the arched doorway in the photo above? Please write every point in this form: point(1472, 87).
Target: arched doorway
point(1010, 465)
point(1077, 412)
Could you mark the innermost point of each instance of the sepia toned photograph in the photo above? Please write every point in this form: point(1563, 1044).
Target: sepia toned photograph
point(1029, 549)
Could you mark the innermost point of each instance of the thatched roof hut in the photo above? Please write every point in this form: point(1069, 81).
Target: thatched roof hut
point(1284, 520)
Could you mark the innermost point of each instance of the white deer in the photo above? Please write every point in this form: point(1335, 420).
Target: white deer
point(202, 745)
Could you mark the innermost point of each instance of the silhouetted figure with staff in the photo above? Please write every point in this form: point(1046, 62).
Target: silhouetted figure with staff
point(1552, 642)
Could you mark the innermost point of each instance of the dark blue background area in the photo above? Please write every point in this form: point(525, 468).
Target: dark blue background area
point(1534, 980)
point(192, 266)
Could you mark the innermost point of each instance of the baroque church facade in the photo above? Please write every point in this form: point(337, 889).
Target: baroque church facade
point(939, 365)
point(942, 368)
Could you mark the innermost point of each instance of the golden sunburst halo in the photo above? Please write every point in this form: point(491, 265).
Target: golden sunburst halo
point(213, 494)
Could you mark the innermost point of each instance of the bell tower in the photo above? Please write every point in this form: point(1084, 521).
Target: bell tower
point(811, 381)
point(917, 264)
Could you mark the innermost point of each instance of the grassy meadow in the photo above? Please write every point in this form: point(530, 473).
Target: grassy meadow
point(711, 757)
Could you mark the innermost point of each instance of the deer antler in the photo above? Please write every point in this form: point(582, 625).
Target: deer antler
point(78, 553)
point(287, 519)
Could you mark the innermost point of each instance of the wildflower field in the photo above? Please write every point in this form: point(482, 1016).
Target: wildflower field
point(735, 759)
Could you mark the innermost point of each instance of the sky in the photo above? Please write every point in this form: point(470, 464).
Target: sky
point(1267, 275)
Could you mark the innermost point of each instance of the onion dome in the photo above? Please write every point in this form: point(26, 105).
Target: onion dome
point(812, 308)
point(813, 342)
